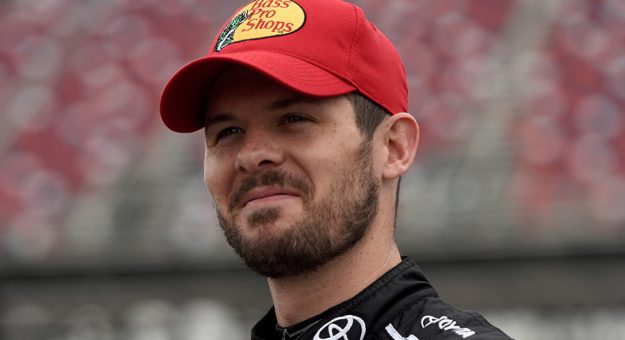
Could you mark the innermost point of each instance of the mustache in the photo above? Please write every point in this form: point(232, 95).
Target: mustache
point(269, 178)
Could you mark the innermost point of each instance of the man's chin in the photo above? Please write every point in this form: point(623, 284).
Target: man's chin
point(262, 217)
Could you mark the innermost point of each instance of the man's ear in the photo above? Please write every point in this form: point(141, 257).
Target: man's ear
point(401, 138)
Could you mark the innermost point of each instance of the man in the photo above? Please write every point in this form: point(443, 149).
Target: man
point(303, 105)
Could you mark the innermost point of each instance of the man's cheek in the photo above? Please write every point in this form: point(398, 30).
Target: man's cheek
point(216, 193)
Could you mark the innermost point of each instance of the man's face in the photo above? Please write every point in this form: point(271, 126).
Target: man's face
point(292, 177)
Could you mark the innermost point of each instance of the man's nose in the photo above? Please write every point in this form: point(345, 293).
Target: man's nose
point(259, 150)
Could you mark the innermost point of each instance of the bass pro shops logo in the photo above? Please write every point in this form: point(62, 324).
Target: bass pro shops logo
point(348, 327)
point(262, 19)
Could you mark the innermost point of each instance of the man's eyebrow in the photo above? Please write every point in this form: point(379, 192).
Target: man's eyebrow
point(218, 118)
point(292, 100)
point(276, 105)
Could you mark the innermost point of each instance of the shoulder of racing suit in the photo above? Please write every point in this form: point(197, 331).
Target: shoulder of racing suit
point(401, 305)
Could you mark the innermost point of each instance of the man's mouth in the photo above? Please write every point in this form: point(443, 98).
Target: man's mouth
point(269, 187)
point(267, 194)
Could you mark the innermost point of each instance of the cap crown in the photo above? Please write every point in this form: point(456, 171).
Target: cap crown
point(330, 34)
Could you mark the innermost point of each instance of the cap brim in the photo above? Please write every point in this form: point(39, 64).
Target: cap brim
point(183, 101)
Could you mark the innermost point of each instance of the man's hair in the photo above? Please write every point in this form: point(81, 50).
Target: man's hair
point(368, 114)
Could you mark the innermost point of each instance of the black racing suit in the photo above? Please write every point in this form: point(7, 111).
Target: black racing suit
point(401, 305)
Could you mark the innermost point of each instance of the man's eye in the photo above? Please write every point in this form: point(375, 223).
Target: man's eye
point(227, 132)
point(294, 119)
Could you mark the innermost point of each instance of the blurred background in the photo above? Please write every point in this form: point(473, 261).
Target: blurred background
point(515, 207)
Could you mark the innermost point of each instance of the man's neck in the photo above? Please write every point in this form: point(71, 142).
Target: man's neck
point(299, 298)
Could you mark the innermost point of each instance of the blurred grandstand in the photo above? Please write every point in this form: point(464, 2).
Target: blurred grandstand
point(517, 197)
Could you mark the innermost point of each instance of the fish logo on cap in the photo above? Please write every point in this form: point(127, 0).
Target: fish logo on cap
point(262, 19)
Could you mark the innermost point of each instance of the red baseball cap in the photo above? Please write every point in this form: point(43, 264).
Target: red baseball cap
point(319, 48)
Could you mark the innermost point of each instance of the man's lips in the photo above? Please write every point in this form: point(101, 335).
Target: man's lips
point(266, 193)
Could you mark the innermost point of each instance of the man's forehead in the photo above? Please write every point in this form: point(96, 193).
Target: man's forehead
point(294, 99)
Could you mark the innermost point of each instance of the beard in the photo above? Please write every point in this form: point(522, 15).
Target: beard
point(328, 228)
